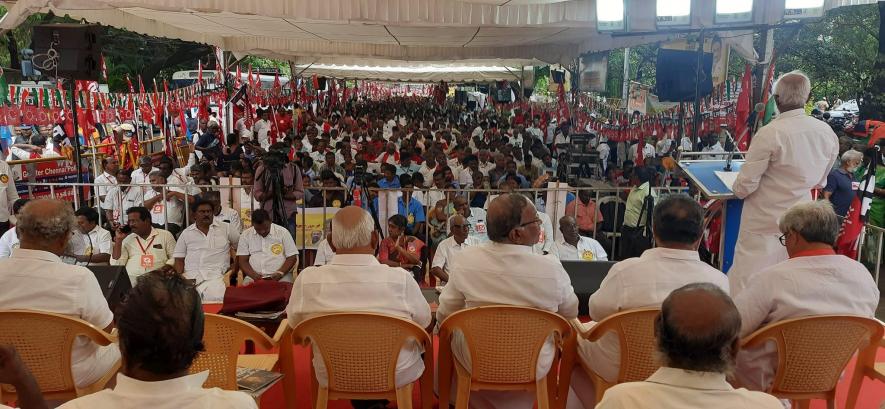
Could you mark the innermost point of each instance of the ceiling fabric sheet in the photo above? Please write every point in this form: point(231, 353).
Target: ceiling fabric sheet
point(384, 32)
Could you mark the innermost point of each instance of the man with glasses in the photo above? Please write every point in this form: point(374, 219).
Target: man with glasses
point(505, 271)
point(813, 281)
point(448, 249)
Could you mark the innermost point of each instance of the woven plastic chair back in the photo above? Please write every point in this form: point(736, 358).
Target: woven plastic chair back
point(360, 350)
point(44, 342)
point(813, 351)
point(504, 341)
point(636, 336)
point(223, 338)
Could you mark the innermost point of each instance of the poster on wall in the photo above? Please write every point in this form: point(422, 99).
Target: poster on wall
point(311, 223)
point(637, 100)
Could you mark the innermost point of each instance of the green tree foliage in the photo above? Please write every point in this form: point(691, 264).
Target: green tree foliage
point(837, 52)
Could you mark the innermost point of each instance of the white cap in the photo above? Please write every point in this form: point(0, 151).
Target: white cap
point(127, 127)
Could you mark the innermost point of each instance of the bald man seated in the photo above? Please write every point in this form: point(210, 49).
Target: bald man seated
point(697, 337)
point(35, 278)
point(354, 280)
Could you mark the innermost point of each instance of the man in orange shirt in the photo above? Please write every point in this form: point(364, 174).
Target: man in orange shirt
point(585, 212)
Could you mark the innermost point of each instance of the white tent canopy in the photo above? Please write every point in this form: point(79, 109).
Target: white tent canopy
point(427, 73)
point(356, 31)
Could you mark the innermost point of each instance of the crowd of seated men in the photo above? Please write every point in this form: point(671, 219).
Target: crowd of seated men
point(160, 325)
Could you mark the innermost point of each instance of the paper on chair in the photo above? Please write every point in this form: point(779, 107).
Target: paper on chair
point(727, 178)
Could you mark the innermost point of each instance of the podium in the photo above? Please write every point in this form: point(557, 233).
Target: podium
point(702, 173)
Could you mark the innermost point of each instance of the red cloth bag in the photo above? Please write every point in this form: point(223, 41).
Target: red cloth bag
point(263, 295)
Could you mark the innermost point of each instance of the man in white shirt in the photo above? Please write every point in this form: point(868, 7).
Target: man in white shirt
point(107, 179)
point(91, 244)
point(697, 337)
point(141, 175)
point(261, 129)
point(573, 246)
point(788, 157)
point(604, 151)
point(266, 251)
point(685, 144)
point(355, 281)
point(145, 248)
point(663, 146)
point(476, 219)
point(161, 333)
point(223, 213)
point(35, 278)
point(9, 240)
point(505, 271)
point(814, 281)
point(8, 194)
point(648, 150)
point(121, 198)
point(448, 249)
point(203, 252)
point(169, 213)
point(678, 226)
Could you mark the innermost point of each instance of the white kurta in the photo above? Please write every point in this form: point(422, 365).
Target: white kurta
point(787, 159)
point(207, 257)
point(358, 282)
point(672, 388)
point(637, 283)
point(587, 249)
point(798, 287)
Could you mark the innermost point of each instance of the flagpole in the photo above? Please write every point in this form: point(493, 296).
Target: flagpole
point(77, 157)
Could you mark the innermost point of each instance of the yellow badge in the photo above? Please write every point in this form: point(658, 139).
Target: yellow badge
point(4, 178)
point(336, 203)
point(411, 218)
point(276, 249)
point(587, 255)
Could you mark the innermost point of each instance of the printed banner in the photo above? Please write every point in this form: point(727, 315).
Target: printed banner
point(310, 229)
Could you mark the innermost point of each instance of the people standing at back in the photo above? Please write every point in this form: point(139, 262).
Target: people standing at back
point(813, 281)
point(645, 281)
point(788, 158)
point(505, 271)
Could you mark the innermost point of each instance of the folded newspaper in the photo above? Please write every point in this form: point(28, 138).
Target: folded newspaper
point(253, 380)
point(266, 315)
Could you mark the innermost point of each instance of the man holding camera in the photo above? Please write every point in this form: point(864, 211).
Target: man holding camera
point(139, 246)
point(278, 186)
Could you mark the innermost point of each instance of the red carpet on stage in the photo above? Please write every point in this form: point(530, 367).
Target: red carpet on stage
point(872, 393)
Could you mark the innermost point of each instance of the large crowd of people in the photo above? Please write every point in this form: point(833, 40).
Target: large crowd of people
point(464, 221)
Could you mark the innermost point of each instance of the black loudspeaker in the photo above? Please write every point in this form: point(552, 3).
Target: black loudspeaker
point(558, 77)
point(114, 283)
point(321, 83)
point(675, 75)
point(77, 46)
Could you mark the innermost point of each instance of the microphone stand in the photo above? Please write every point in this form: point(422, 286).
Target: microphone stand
point(734, 147)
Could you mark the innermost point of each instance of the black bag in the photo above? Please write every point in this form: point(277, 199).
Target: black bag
point(635, 240)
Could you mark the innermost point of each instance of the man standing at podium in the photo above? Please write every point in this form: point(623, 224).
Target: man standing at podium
point(788, 158)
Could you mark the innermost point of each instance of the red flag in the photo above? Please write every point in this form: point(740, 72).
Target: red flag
point(129, 82)
point(200, 73)
point(741, 128)
point(238, 82)
point(104, 69)
point(640, 160)
point(251, 79)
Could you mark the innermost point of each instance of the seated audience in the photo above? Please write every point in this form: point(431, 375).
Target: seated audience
point(354, 280)
point(223, 213)
point(814, 281)
point(645, 281)
point(545, 239)
point(167, 214)
point(697, 337)
point(144, 248)
point(448, 249)
point(266, 251)
point(324, 251)
point(203, 251)
point(9, 240)
point(505, 271)
point(585, 211)
point(35, 278)
point(572, 246)
point(410, 207)
point(161, 333)
point(91, 244)
point(401, 250)
point(14, 372)
point(476, 219)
